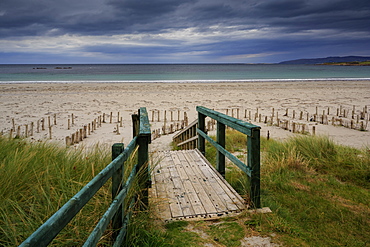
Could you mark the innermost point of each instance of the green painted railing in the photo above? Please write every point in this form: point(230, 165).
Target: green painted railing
point(116, 214)
point(252, 169)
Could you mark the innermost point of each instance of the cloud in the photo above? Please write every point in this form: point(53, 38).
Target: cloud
point(197, 29)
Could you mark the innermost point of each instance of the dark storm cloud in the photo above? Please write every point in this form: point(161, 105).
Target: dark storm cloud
point(217, 28)
point(307, 15)
point(19, 17)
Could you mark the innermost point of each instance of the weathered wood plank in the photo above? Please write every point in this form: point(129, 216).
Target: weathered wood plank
point(159, 195)
point(214, 184)
point(164, 188)
point(192, 188)
point(182, 164)
point(179, 190)
point(206, 181)
point(233, 195)
point(200, 189)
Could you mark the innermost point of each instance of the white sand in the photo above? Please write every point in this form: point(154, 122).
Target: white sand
point(28, 103)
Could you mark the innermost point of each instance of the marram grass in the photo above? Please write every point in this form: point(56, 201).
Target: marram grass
point(37, 179)
point(318, 191)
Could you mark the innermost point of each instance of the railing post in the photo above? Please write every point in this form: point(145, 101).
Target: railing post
point(221, 139)
point(135, 124)
point(144, 138)
point(143, 159)
point(202, 127)
point(253, 143)
point(117, 182)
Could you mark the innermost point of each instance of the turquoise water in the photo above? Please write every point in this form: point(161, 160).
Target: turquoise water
point(176, 73)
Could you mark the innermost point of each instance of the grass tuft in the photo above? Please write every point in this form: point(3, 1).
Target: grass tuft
point(37, 179)
point(318, 191)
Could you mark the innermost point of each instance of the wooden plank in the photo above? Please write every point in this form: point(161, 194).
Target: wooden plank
point(234, 196)
point(233, 201)
point(216, 186)
point(164, 187)
point(159, 193)
point(182, 164)
point(199, 188)
point(212, 191)
point(179, 190)
point(192, 188)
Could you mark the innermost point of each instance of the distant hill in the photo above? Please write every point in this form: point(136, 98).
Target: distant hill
point(327, 60)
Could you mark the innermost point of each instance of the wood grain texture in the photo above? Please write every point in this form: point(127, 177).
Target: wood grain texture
point(185, 186)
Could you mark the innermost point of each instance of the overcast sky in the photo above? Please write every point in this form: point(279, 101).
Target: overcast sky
point(181, 31)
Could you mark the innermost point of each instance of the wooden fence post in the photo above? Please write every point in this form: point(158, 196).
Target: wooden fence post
point(135, 125)
point(253, 146)
point(202, 127)
point(13, 124)
point(18, 133)
point(221, 139)
point(11, 134)
point(144, 138)
point(117, 182)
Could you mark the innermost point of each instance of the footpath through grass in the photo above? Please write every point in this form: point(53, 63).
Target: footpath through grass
point(319, 194)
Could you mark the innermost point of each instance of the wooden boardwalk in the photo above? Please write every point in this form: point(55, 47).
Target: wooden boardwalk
point(185, 186)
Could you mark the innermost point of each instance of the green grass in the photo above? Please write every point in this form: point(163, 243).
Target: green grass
point(227, 233)
point(37, 179)
point(318, 192)
point(354, 63)
point(145, 231)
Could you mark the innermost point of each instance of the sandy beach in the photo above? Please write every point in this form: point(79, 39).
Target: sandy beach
point(29, 104)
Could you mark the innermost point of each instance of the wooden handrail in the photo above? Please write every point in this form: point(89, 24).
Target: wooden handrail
point(252, 169)
point(187, 138)
point(195, 122)
point(51, 228)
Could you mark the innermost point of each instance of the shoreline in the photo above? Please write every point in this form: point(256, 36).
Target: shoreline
point(184, 81)
point(26, 103)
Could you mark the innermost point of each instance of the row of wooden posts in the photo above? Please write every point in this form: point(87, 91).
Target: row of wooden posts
point(352, 119)
point(174, 115)
point(89, 128)
point(30, 129)
point(168, 128)
point(176, 125)
point(340, 113)
point(355, 120)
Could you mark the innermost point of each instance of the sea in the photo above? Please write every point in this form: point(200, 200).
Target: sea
point(175, 73)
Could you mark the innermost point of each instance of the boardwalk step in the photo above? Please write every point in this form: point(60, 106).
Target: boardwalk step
point(185, 186)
